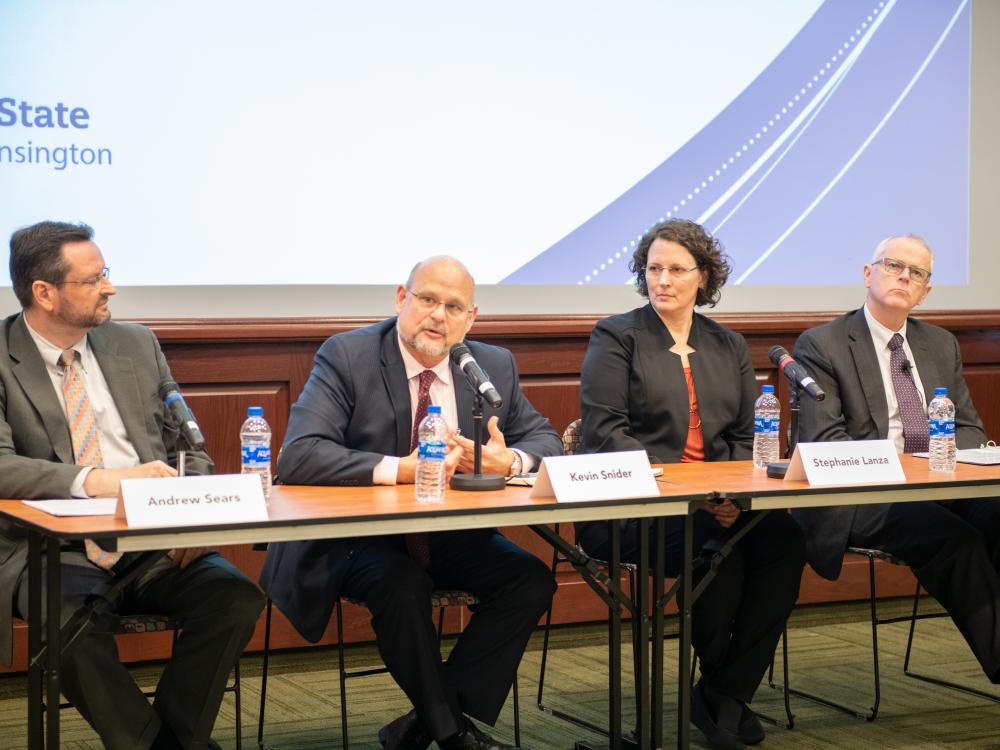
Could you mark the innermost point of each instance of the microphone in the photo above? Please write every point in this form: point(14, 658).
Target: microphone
point(795, 372)
point(174, 401)
point(477, 376)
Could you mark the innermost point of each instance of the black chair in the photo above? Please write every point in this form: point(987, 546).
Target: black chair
point(870, 715)
point(136, 624)
point(439, 600)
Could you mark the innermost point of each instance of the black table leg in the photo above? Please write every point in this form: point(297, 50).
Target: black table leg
point(36, 670)
point(642, 720)
point(684, 623)
point(659, 576)
point(53, 608)
point(615, 644)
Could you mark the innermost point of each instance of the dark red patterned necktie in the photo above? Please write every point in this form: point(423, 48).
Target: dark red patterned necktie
point(419, 543)
point(911, 406)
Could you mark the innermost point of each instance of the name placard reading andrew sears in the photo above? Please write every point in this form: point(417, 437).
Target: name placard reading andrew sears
point(846, 462)
point(596, 476)
point(191, 501)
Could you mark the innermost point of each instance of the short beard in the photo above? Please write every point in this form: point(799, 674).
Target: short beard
point(429, 349)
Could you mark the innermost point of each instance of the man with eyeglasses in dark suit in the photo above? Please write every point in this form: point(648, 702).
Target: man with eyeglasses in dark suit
point(879, 368)
point(355, 424)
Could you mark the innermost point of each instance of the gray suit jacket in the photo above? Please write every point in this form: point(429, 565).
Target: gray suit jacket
point(354, 410)
point(841, 356)
point(36, 454)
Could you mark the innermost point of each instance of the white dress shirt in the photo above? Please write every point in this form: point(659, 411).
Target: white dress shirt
point(116, 449)
point(880, 337)
point(442, 393)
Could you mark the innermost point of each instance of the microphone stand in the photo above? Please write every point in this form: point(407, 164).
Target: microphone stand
point(478, 482)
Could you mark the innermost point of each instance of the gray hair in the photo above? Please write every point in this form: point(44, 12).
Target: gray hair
point(884, 245)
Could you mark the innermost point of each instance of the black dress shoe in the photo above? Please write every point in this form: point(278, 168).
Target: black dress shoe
point(703, 716)
point(405, 733)
point(472, 738)
point(751, 731)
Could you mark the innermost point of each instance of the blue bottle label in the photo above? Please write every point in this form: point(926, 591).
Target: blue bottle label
point(942, 428)
point(435, 450)
point(765, 425)
point(256, 454)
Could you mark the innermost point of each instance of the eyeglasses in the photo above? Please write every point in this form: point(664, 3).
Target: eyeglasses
point(429, 304)
point(895, 267)
point(97, 280)
point(675, 272)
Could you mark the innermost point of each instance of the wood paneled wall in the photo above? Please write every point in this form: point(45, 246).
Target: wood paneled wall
point(224, 366)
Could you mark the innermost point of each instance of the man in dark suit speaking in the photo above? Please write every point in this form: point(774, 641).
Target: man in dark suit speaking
point(879, 369)
point(79, 412)
point(355, 424)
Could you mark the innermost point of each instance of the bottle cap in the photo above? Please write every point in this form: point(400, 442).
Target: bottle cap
point(767, 389)
point(433, 409)
point(255, 411)
point(940, 391)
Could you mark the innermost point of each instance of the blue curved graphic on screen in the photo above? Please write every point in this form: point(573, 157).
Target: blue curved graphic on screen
point(859, 129)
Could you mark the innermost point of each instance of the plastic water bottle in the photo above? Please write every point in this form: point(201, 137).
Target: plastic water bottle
point(941, 422)
point(432, 448)
point(766, 423)
point(255, 444)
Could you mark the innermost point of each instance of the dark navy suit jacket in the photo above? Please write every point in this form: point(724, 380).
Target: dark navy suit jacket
point(841, 357)
point(354, 410)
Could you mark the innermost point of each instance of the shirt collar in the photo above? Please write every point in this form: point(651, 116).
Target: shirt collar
point(50, 353)
point(413, 368)
point(880, 334)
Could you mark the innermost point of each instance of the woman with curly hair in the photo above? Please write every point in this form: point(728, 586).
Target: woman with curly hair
point(667, 380)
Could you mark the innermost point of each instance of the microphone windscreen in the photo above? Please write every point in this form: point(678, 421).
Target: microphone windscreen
point(776, 353)
point(166, 386)
point(458, 351)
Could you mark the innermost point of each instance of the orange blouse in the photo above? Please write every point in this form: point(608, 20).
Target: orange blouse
point(694, 449)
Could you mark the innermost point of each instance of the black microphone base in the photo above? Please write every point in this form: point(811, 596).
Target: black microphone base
point(777, 470)
point(478, 482)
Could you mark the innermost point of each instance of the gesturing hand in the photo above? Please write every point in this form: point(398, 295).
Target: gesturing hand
point(497, 457)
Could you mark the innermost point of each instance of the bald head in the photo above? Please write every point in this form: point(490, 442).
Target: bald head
point(444, 266)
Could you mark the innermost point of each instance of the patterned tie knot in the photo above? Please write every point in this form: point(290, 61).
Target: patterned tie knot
point(426, 378)
point(68, 358)
point(895, 342)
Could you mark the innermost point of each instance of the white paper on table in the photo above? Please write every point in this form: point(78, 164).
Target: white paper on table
point(98, 506)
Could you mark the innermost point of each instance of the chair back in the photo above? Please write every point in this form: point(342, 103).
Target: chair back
point(572, 437)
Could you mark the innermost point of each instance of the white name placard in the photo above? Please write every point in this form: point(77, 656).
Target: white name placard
point(596, 476)
point(846, 462)
point(191, 501)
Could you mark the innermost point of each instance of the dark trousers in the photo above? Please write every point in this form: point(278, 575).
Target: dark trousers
point(953, 549)
point(740, 615)
point(514, 588)
point(217, 607)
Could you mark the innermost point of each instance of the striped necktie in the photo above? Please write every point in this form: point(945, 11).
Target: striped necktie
point(86, 441)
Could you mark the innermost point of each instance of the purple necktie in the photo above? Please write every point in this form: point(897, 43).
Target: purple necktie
point(419, 544)
point(911, 406)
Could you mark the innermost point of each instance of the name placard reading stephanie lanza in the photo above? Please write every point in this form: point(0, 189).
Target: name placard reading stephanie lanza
point(191, 501)
point(596, 476)
point(846, 462)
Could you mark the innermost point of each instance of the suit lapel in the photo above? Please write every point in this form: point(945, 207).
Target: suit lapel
point(119, 374)
point(35, 381)
point(924, 359)
point(869, 373)
point(666, 389)
point(394, 378)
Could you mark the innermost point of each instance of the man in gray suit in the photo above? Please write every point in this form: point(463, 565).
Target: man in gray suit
point(879, 368)
point(62, 353)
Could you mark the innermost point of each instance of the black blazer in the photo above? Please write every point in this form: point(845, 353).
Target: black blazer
point(354, 410)
point(840, 356)
point(633, 395)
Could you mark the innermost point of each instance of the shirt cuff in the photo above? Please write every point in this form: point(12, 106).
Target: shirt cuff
point(385, 470)
point(76, 489)
point(528, 462)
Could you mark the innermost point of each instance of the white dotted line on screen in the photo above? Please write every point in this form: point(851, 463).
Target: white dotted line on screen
point(628, 249)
